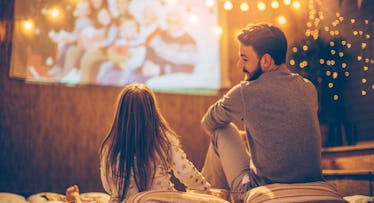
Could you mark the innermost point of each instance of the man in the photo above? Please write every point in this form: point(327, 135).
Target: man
point(279, 112)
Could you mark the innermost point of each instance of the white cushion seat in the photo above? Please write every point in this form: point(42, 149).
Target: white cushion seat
point(317, 192)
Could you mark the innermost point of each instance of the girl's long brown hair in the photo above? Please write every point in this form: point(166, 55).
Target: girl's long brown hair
point(137, 141)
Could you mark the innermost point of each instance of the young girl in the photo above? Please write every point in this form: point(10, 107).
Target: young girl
point(141, 150)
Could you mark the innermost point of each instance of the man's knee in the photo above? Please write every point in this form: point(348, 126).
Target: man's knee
point(225, 133)
point(223, 137)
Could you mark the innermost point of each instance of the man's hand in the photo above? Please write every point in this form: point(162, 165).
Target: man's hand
point(243, 135)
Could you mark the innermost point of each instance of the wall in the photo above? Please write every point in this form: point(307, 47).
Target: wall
point(50, 134)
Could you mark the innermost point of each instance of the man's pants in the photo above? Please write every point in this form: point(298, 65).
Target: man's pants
point(227, 163)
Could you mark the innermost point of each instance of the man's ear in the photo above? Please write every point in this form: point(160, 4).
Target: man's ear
point(267, 62)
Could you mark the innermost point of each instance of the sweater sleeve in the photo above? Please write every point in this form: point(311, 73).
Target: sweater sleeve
point(225, 110)
point(185, 170)
point(103, 177)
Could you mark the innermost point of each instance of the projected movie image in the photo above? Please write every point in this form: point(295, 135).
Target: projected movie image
point(164, 44)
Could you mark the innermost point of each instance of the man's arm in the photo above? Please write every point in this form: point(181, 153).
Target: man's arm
point(224, 111)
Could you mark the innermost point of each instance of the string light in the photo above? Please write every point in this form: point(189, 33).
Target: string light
point(287, 2)
point(274, 4)
point(363, 45)
point(292, 62)
point(54, 13)
point(261, 6)
point(28, 27)
point(228, 5)
point(336, 97)
point(282, 20)
point(296, 5)
point(244, 6)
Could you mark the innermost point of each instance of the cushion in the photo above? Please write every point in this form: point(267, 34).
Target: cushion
point(6, 197)
point(95, 197)
point(172, 196)
point(46, 197)
point(359, 199)
point(321, 192)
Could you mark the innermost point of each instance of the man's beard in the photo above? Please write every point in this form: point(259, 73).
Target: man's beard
point(255, 74)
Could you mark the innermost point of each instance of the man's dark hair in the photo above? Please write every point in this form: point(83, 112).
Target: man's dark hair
point(265, 39)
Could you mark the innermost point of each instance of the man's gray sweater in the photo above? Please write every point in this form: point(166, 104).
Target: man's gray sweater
point(279, 112)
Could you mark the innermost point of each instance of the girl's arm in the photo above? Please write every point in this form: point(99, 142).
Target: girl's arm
point(185, 170)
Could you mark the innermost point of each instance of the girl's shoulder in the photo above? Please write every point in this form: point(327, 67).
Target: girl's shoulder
point(173, 139)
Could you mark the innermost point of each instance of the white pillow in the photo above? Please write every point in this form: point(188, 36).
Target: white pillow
point(6, 197)
point(97, 197)
point(46, 197)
